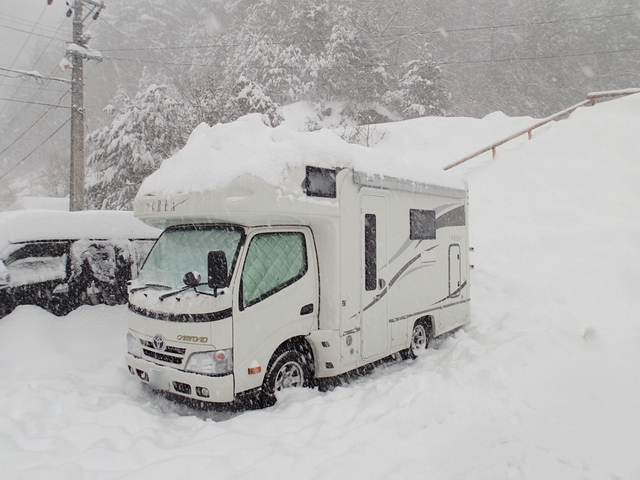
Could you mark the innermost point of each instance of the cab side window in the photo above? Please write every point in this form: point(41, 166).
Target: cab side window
point(274, 261)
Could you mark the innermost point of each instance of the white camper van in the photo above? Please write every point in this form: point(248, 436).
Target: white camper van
point(253, 288)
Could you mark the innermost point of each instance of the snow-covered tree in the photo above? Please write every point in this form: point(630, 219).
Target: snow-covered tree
point(306, 50)
point(146, 130)
point(420, 90)
point(248, 97)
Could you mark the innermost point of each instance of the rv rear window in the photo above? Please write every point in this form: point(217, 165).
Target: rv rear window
point(422, 224)
point(320, 182)
point(370, 253)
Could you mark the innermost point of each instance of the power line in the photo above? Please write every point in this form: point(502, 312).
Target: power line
point(378, 65)
point(27, 39)
point(539, 57)
point(33, 103)
point(23, 22)
point(32, 33)
point(35, 149)
point(40, 90)
point(32, 125)
point(42, 87)
point(399, 35)
point(139, 48)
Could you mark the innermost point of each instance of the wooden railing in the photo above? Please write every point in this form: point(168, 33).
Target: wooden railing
point(592, 99)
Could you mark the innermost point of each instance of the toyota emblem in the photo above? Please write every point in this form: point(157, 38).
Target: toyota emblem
point(158, 342)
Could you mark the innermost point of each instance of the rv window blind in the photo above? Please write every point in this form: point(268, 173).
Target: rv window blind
point(422, 224)
point(274, 261)
point(370, 267)
point(320, 182)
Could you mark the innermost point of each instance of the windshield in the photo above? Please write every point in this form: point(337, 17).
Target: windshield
point(184, 249)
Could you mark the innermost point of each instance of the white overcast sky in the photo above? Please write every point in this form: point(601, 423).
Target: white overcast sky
point(18, 18)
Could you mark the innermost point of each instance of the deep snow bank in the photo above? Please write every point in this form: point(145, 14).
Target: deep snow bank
point(544, 382)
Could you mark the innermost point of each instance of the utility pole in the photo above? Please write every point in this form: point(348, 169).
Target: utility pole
point(76, 172)
point(78, 52)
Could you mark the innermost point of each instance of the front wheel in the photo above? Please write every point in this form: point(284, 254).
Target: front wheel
point(289, 369)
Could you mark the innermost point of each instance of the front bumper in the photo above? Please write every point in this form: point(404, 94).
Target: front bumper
point(188, 385)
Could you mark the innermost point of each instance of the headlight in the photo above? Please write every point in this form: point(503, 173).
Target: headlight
point(133, 346)
point(211, 363)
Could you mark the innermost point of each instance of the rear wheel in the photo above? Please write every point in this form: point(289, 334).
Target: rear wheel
point(419, 339)
point(288, 369)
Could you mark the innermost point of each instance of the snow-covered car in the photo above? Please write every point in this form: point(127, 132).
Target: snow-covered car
point(60, 260)
point(5, 278)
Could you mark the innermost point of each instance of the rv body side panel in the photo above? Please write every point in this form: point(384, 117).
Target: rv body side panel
point(412, 274)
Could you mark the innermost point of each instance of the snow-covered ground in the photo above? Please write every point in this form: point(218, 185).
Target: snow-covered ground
point(544, 383)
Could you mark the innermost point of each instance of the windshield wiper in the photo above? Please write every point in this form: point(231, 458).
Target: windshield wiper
point(150, 285)
point(171, 294)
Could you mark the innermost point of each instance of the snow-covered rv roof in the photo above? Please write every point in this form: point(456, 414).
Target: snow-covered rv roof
point(35, 225)
point(215, 156)
point(246, 166)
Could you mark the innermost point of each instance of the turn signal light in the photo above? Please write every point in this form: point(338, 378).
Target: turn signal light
point(254, 370)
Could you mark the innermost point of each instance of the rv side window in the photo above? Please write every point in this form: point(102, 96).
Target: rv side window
point(422, 224)
point(320, 182)
point(274, 261)
point(370, 267)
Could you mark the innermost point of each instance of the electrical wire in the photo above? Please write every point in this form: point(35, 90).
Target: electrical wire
point(399, 35)
point(32, 33)
point(40, 90)
point(35, 149)
point(388, 65)
point(27, 39)
point(33, 124)
point(33, 103)
point(140, 48)
point(539, 57)
point(23, 22)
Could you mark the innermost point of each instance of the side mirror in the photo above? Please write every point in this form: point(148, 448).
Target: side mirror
point(217, 270)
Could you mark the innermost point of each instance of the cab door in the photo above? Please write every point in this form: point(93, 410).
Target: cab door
point(374, 314)
point(275, 298)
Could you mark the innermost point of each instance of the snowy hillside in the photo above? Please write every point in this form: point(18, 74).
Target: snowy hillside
point(544, 383)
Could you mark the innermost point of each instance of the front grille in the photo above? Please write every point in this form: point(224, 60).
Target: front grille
point(162, 357)
point(168, 348)
point(176, 358)
point(176, 350)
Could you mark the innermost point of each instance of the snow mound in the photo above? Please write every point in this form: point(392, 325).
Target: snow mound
point(215, 156)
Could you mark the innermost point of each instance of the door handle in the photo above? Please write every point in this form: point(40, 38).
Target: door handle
point(307, 309)
point(381, 283)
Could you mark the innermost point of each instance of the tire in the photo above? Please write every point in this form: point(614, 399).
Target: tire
point(288, 369)
point(6, 305)
point(419, 339)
